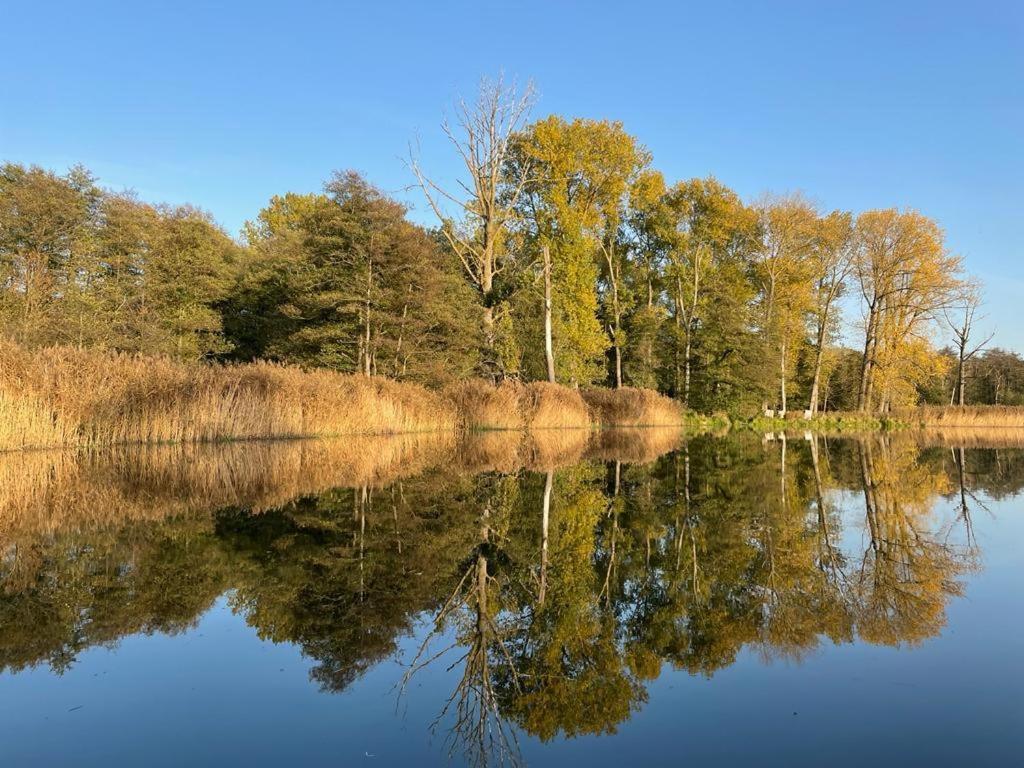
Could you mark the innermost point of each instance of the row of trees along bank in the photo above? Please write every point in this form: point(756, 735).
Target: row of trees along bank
point(560, 253)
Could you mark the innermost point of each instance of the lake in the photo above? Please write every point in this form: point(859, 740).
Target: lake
point(624, 597)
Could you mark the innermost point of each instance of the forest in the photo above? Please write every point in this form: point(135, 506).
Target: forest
point(560, 254)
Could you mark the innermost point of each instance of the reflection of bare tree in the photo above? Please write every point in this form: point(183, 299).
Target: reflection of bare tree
point(477, 726)
point(965, 493)
point(614, 508)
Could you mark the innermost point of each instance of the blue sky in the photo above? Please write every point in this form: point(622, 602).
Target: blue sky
point(857, 104)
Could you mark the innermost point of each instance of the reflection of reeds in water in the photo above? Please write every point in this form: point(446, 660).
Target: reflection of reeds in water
point(970, 437)
point(634, 446)
point(46, 491)
point(510, 451)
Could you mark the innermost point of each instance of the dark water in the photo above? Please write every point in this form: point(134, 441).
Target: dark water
point(730, 601)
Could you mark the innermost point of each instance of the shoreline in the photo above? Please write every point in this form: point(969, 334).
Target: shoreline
point(61, 397)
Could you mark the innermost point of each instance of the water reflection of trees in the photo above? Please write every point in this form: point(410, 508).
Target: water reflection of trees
point(556, 590)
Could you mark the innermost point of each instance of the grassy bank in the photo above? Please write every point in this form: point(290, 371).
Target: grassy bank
point(949, 418)
point(67, 397)
point(834, 421)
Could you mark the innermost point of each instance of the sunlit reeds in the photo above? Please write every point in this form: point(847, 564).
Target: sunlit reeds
point(631, 407)
point(974, 417)
point(514, 405)
point(69, 397)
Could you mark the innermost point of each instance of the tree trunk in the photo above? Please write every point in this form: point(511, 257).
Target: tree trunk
point(616, 330)
point(401, 337)
point(782, 377)
point(819, 355)
point(549, 353)
point(687, 335)
point(367, 371)
point(866, 370)
point(618, 358)
point(961, 379)
point(486, 295)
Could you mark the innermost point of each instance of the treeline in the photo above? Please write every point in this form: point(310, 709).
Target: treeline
point(561, 254)
point(994, 377)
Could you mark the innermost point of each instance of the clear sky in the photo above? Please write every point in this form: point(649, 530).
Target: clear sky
point(857, 104)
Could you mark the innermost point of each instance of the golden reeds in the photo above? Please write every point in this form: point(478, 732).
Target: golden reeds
point(514, 405)
point(631, 407)
point(977, 416)
point(69, 397)
point(540, 405)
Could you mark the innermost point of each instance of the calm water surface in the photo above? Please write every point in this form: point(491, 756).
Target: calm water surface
point(564, 599)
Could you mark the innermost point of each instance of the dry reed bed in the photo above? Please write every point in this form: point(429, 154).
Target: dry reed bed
point(975, 417)
point(514, 405)
point(540, 405)
point(630, 407)
point(67, 397)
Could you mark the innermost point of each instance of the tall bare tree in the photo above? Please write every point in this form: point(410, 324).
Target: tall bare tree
point(961, 319)
point(486, 196)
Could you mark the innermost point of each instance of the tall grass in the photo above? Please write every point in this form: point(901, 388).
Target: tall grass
point(514, 405)
point(70, 397)
point(631, 407)
point(976, 416)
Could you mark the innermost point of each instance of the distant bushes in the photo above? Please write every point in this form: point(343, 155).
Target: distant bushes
point(931, 417)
